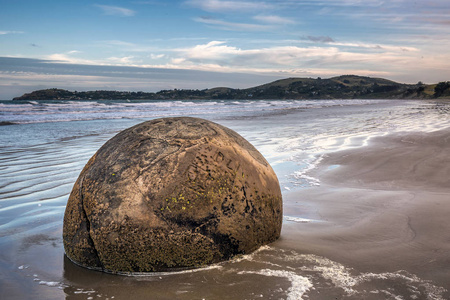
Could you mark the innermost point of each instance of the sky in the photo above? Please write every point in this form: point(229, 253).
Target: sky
point(196, 44)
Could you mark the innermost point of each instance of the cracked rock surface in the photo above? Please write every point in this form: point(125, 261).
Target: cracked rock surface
point(171, 194)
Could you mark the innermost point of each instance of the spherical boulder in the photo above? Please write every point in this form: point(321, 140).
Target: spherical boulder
point(171, 194)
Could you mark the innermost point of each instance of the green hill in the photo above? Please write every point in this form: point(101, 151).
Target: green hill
point(341, 87)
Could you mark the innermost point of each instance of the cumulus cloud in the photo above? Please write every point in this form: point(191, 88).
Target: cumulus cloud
point(218, 56)
point(116, 10)
point(217, 52)
point(210, 51)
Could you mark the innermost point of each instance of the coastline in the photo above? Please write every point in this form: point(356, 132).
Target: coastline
point(380, 208)
point(340, 239)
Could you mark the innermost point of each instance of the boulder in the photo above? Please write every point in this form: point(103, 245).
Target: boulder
point(171, 194)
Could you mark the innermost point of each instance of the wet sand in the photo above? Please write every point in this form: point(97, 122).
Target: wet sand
point(375, 228)
point(380, 208)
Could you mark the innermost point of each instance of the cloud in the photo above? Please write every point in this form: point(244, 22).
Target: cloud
point(3, 32)
point(320, 39)
point(116, 10)
point(360, 2)
point(274, 19)
point(229, 6)
point(232, 25)
point(381, 47)
point(154, 2)
point(68, 58)
point(117, 43)
point(157, 56)
point(31, 74)
point(347, 3)
point(218, 53)
point(407, 16)
point(391, 48)
point(126, 46)
point(126, 60)
point(211, 51)
point(219, 56)
point(334, 57)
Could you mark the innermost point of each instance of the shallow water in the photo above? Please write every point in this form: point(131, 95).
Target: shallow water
point(42, 155)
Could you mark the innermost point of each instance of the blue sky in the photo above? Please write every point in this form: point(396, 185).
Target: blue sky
point(154, 45)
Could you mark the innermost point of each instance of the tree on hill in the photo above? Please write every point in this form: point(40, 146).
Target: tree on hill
point(442, 89)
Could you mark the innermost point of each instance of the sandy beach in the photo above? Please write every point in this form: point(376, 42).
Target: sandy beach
point(365, 191)
point(382, 208)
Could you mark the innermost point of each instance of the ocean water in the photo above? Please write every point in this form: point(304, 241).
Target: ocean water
point(46, 144)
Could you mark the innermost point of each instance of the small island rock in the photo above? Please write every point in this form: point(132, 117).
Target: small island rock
point(171, 194)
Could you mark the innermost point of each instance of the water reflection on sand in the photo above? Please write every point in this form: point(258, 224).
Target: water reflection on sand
point(40, 162)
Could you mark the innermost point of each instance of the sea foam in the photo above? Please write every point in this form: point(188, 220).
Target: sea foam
point(299, 284)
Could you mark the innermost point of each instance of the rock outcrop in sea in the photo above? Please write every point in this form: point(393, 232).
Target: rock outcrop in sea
point(171, 194)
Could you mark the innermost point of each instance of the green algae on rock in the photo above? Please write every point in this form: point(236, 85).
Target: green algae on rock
point(171, 194)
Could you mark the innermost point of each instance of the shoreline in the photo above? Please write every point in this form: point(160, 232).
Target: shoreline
point(398, 161)
point(337, 87)
point(380, 208)
point(340, 239)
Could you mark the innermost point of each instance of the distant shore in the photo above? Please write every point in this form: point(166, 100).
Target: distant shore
point(341, 87)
